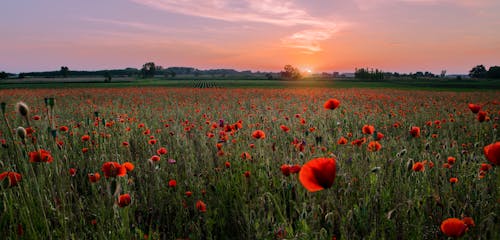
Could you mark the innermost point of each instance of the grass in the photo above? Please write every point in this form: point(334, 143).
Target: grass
point(415, 84)
point(375, 195)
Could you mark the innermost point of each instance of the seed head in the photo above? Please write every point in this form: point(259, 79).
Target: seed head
point(21, 132)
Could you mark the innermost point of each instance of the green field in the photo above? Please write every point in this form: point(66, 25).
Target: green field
point(422, 84)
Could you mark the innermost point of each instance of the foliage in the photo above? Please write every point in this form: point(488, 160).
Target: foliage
point(494, 72)
point(3, 75)
point(290, 72)
point(221, 193)
point(64, 71)
point(362, 73)
point(478, 71)
point(148, 70)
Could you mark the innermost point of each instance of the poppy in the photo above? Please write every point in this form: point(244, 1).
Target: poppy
point(318, 174)
point(129, 166)
point(125, 144)
point(113, 169)
point(295, 169)
point(469, 222)
point(201, 206)
point(85, 138)
point(331, 104)
point(11, 179)
point(374, 146)
point(451, 160)
point(368, 129)
point(453, 180)
point(415, 131)
point(227, 164)
point(258, 134)
point(418, 167)
point(162, 151)
point(481, 116)
point(94, 177)
point(124, 200)
point(246, 156)
point(172, 183)
point(475, 108)
point(36, 117)
point(284, 128)
point(285, 169)
point(453, 227)
point(379, 136)
point(342, 141)
point(247, 174)
point(155, 158)
point(485, 167)
point(40, 156)
point(72, 172)
point(492, 153)
point(152, 141)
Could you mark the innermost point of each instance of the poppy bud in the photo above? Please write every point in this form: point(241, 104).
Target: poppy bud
point(21, 132)
point(23, 109)
point(2, 106)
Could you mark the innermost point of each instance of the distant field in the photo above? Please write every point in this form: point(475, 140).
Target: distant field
point(417, 84)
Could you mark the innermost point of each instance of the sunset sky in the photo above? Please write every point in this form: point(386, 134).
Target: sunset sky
point(322, 35)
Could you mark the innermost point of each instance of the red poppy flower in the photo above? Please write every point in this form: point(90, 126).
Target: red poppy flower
point(247, 174)
point(129, 166)
point(125, 144)
point(162, 151)
point(368, 129)
point(469, 222)
point(284, 128)
point(453, 227)
point(492, 153)
point(451, 160)
point(113, 169)
point(124, 200)
point(453, 180)
point(188, 193)
point(85, 138)
point(72, 172)
point(415, 131)
point(475, 108)
point(374, 146)
point(172, 183)
point(258, 134)
point(342, 141)
point(318, 174)
point(481, 116)
point(36, 117)
point(379, 136)
point(201, 206)
point(227, 164)
point(245, 156)
point(295, 168)
point(40, 156)
point(331, 104)
point(285, 169)
point(155, 158)
point(10, 179)
point(94, 177)
point(418, 167)
point(485, 167)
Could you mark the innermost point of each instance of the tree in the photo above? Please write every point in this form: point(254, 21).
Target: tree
point(107, 76)
point(148, 70)
point(478, 71)
point(443, 74)
point(3, 75)
point(494, 72)
point(291, 72)
point(64, 71)
point(269, 76)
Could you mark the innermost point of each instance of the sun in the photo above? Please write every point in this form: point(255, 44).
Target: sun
point(308, 70)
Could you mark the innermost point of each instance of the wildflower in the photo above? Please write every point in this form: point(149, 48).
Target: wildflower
point(245, 156)
point(481, 116)
point(129, 166)
point(469, 222)
point(72, 172)
point(162, 151)
point(342, 141)
point(318, 174)
point(21, 132)
point(155, 158)
point(285, 169)
point(40, 156)
point(36, 117)
point(113, 169)
point(453, 227)
point(475, 108)
point(331, 104)
point(492, 153)
point(227, 164)
point(10, 179)
point(85, 138)
point(379, 136)
point(172, 183)
point(415, 131)
point(374, 146)
point(258, 134)
point(451, 160)
point(368, 129)
point(485, 167)
point(295, 169)
point(125, 144)
point(284, 128)
point(124, 200)
point(247, 174)
point(453, 180)
point(63, 128)
point(201, 206)
point(94, 177)
point(418, 167)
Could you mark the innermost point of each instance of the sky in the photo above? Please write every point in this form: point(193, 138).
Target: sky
point(257, 35)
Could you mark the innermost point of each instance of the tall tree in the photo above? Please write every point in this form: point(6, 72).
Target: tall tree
point(291, 72)
point(478, 71)
point(64, 71)
point(148, 70)
point(494, 72)
point(3, 75)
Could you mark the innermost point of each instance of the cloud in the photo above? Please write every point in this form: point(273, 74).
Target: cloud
point(282, 13)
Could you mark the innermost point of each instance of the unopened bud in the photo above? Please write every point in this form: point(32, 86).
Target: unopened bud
point(21, 132)
point(23, 109)
point(2, 105)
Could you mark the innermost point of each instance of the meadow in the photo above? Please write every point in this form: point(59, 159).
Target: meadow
point(188, 163)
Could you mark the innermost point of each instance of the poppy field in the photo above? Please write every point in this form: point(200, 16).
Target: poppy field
point(186, 163)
